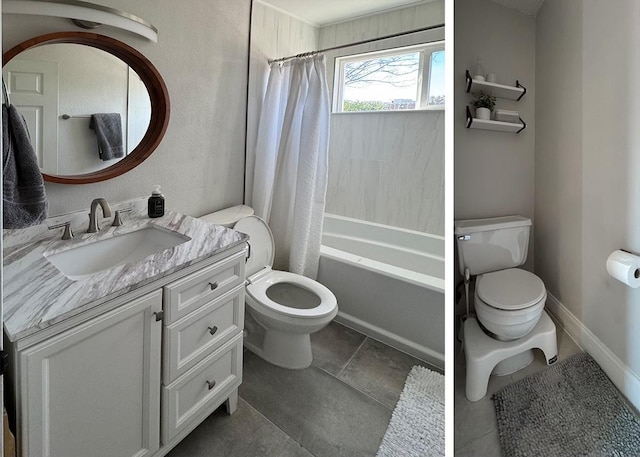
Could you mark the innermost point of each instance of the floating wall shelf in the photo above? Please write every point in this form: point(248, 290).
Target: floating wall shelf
point(498, 90)
point(497, 126)
point(82, 11)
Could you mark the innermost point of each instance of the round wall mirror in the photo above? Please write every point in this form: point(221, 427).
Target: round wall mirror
point(95, 107)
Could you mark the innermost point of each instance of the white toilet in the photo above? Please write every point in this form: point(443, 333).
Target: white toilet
point(509, 301)
point(286, 307)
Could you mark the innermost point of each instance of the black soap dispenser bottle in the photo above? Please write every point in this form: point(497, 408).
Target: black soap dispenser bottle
point(155, 206)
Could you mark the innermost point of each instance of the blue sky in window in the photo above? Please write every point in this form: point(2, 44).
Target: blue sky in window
point(437, 74)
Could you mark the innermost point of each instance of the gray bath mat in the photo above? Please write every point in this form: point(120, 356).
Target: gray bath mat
point(569, 409)
point(417, 423)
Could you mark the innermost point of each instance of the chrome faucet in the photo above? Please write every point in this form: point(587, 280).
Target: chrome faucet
point(93, 220)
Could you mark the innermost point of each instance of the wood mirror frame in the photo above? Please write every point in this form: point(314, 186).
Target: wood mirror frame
point(149, 75)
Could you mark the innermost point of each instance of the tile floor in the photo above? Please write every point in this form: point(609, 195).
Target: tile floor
point(475, 427)
point(339, 406)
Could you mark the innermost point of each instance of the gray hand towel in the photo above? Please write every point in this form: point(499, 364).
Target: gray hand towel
point(23, 194)
point(109, 133)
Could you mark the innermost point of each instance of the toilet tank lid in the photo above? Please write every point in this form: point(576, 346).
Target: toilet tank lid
point(469, 226)
point(228, 216)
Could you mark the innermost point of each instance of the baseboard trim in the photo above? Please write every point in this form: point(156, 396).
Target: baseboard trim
point(396, 341)
point(620, 374)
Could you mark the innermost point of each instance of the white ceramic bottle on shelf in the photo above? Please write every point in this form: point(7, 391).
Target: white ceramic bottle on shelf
point(479, 72)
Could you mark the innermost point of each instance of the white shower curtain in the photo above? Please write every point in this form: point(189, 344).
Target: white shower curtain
point(290, 177)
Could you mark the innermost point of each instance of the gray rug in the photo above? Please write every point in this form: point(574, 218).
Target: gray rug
point(569, 409)
point(416, 428)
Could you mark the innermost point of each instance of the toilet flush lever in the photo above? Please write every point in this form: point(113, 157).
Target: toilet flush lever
point(464, 237)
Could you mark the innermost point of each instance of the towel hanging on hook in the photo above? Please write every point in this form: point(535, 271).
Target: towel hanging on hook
point(5, 93)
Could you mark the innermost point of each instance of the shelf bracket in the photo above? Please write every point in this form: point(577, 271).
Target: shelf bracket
point(4, 362)
point(524, 124)
point(522, 87)
point(469, 81)
point(469, 117)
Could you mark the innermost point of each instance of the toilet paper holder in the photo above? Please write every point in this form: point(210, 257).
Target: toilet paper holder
point(637, 272)
point(624, 266)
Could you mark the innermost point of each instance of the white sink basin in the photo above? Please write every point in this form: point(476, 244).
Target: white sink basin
point(83, 261)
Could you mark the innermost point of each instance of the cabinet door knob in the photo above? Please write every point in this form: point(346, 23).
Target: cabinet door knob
point(211, 384)
point(213, 330)
point(159, 315)
point(213, 285)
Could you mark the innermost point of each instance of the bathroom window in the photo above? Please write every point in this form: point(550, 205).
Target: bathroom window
point(408, 78)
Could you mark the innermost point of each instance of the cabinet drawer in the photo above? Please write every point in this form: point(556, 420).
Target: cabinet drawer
point(189, 293)
point(192, 338)
point(193, 396)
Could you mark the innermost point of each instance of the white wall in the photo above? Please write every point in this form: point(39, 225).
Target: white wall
point(202, 54)
point(558, 208)
point(274, 34)
point(587, 174)
point(494, 171)
point(387, 167)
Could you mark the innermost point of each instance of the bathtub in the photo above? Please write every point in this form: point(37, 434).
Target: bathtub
point(389, 283)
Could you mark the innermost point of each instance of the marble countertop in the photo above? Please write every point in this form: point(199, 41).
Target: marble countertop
point(37, 295)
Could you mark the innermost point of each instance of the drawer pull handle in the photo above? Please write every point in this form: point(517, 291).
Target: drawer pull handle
point(213, 285)
point(213, 330)
point(211, 384)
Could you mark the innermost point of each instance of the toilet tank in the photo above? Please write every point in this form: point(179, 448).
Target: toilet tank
point(492, 244)
point(228, 217)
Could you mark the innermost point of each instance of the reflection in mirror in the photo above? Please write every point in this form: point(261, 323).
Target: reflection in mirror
point(58, 87)
point(125, 122)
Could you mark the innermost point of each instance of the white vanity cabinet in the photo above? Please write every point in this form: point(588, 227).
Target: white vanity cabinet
point(202, 363)
point(93, 390)
point(139, 372)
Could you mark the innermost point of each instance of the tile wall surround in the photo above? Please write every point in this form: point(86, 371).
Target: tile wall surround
point(391, 170)
point(383, 167)
point(387, 167)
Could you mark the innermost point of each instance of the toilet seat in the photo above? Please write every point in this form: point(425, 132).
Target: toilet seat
point(509, 303)
point(258, 292)
point(262, 277)
point(282, 309)
point(512, 289)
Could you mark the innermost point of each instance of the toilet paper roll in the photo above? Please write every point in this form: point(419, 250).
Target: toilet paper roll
point(625, 267)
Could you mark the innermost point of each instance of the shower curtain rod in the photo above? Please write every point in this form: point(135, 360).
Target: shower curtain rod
point(395, 35)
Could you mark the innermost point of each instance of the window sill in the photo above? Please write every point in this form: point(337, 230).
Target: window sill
point(420, 110)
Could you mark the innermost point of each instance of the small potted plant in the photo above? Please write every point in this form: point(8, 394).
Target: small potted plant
point(484, 104)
